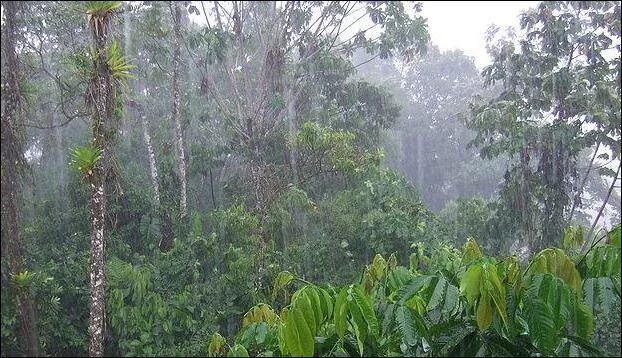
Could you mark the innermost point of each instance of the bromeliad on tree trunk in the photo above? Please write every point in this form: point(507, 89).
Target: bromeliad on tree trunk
point(109, 68)
point(12, 158)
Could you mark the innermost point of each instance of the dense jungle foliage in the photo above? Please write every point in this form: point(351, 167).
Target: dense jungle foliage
point(249, 178)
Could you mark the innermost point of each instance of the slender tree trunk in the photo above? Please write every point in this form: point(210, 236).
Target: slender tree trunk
point(101, 98)
point(181, 159)
point(97, 274)
point(61, 168)
point(127, 41)
point(153, 169)
point(260, 208)
point(11, 153)
point(577, 197)
point(166, 232)
point(291, 119)
point(602, 208)
point(211, 185)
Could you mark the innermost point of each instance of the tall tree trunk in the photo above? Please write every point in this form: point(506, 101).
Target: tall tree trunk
point(127, 42)
point(602, 208)
point(211, 185)
point(153, 169)
point(291, 120)
point(577, 197)
point(181, 159)
point(61, 169)
point(166, 226)
point(97, 274)
point(260, 209)
point(166, 231)
point(11, 153)
point(101, 98)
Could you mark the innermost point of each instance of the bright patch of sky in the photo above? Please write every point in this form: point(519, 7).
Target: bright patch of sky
point(453, 25)
point(462, 25)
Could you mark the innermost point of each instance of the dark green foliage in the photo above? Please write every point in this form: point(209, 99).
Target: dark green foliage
point(560, 95)
point(426, 315)
point(358, 248)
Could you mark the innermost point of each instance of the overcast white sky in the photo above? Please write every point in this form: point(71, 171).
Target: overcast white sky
point(462, 24)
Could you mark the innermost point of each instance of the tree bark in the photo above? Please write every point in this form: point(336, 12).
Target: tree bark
point(602, 208)
point(100, 97)
point(11, 153)
point(291, 120)
point(97, 274)
point(166, 232)
point(211, 185)
point(577, 197)
point(181, 159)
point(153, 169)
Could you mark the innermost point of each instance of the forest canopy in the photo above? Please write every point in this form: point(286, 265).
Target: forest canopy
point(308, 178)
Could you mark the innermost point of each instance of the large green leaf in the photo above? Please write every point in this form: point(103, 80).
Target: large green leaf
point(481, 284)
point(366, 309)
point(541, 322)
point(406, 325)
point(584, 321)
point(443, 295)
point(341, 312)
point(311, 307)
point(303, 305)
point(358, 320)
point(398, 277)
point(439, 291)
point(600, 294)
point(471, 251)
point(555, 293)
point(412, 288)
point(281, 281)
point(378, 267)
point(283, 333)
point(451, 302)
point(316, 305)
point(216, 345)
point(573, 237)
point(557, 263)
point(260, 313)
point(254, 333)
point(470, 283)
point(416, 303)
point(456, 339)
point(237, 350)
point(297, 335)
point(491, 286)
point(613, 237)
point(603, 261)
point(326, 301)
point(389, 316)
point(484, 312)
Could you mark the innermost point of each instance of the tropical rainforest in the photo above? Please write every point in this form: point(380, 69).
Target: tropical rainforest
point(308, 178)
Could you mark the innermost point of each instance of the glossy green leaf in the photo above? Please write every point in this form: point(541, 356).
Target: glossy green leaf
point(542, 331)
point(484, 312)
point(283, 279)
point(216, 345)
point(470, 283)
point(341, 312)
point(406, 326)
